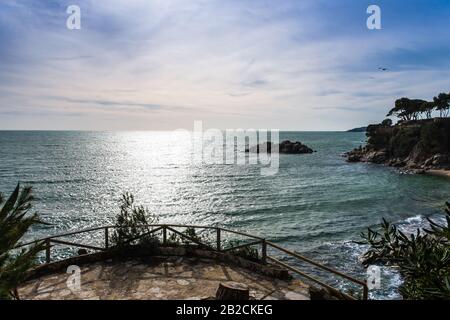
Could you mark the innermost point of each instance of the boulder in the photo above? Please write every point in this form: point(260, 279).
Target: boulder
point(377, 156)
point(354, 156)
point(439, 159)
point(286, 147)
point(397, 163)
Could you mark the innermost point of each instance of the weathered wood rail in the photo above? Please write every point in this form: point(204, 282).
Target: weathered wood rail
point(219, 231)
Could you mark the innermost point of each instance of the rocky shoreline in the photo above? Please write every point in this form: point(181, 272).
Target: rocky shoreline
point(438, 162)
point(412, 147)
point(285, 147)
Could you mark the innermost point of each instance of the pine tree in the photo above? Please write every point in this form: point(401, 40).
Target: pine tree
point(15, 221)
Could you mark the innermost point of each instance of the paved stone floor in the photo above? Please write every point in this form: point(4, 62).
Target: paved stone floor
point(159, 278)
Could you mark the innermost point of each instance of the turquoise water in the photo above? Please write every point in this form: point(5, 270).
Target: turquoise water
point(316, 204)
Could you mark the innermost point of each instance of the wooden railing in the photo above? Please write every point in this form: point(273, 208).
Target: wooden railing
point(219, 231)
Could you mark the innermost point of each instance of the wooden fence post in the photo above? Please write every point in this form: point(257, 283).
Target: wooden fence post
point(106, 238)
point(264, 250)
point(164, 235)
point(47, 251)
point(218, 240)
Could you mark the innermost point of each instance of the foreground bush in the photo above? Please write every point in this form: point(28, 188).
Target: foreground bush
point(133, 225)
point(423, 258)
point(15, 221)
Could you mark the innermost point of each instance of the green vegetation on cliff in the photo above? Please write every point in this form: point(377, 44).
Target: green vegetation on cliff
point(417, 141)
point(420, 144)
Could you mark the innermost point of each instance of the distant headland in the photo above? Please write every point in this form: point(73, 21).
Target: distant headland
point(360, 129)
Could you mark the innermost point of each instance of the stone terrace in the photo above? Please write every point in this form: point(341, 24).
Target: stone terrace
point(159, 278)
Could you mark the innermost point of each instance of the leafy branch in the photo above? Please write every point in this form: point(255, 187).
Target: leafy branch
point(423, 258)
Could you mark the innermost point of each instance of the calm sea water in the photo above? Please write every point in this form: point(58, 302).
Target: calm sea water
point(316, 205)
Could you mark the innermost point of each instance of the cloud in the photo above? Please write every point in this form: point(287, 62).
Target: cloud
point(162, 64)
point(113, 103)
point(70, 58)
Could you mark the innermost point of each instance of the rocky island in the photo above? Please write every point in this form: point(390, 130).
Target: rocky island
point(286, 147)
point(414, 144)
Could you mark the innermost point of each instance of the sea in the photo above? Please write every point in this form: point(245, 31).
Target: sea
point(315, 204)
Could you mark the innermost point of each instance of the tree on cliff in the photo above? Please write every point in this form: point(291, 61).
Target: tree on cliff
point(427, 108)
point(407, 109)
point(386, 123)
point(442, 103)
point(399, 109)
point(14, 223)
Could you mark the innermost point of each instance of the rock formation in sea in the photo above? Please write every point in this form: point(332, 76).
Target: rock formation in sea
point(416, 145)
point(286, 147)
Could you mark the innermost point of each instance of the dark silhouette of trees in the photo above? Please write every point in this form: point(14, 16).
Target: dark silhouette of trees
point(386, 123)
point(427, 108)
point(442, 102)
point(407, 109)
point(413, 109)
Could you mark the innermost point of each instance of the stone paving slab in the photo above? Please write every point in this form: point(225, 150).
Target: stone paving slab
point(159, 278)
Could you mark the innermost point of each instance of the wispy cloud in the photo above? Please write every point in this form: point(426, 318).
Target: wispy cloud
point(113, 103)
point(161, 64)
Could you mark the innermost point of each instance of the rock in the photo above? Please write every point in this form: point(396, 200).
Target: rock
point(354, 156)
point(182, 282)
point(286, 147)
point(397, 163)
point(377, 156)
point(294, 147)
point(439, 159)
point(428, 162)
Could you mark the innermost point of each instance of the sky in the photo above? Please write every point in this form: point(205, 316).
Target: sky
point(162, 64)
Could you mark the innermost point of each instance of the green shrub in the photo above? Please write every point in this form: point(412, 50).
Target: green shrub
point(175, 239)
point(434, 138)
point(249, 253)
point(423, 258)
point(404, 140)
point(133, 225)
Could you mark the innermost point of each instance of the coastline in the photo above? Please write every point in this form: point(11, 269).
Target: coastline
point(416, 146)
point(439, 172)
